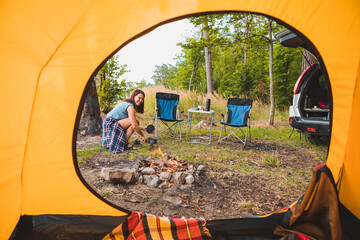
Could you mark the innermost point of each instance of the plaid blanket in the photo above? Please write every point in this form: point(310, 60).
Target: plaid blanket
point(141, 226)
point(113, 137)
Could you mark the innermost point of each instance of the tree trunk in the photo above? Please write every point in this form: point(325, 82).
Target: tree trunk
point(192, 74)
point(99, 80)
point(208, 61)
point(271, 77)
point(91, 122)
point(307, 60)
point(193, 71)
point(246, 34)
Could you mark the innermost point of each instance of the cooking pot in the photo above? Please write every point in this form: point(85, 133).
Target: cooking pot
point(137, 142)
point(150, 128)
point(152, 140)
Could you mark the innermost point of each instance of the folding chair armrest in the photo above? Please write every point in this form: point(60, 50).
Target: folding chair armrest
point(181, 113)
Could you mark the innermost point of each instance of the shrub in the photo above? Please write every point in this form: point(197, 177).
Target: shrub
point(271, 160)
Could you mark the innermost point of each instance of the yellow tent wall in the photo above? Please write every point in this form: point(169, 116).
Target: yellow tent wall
point(49, 50)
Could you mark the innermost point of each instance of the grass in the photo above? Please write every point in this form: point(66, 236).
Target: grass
point(190, 99)
point(236, 158)
point(84, 154)
point(265, 162)
point(271, 160)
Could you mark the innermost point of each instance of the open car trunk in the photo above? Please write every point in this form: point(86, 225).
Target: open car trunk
point(311, 109)
point(314, 100)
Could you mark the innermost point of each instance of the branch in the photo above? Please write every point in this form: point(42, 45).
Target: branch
point(258, 35)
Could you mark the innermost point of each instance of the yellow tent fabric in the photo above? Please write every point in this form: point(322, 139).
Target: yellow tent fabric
point(49, 50)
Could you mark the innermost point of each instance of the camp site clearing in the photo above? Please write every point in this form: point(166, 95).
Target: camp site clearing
point(264, 176)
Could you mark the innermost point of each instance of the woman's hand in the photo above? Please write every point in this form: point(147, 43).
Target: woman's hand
point(144, 139)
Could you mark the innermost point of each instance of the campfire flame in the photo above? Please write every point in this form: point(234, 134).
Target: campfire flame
point(166, 164)
point(159, 152)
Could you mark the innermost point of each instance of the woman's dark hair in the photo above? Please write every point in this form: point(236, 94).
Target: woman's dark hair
point(131, 99)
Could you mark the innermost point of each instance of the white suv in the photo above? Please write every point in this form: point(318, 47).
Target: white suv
point(310, 112)
point(311, 109)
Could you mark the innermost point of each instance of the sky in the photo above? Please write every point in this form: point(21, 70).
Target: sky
point(155, 48)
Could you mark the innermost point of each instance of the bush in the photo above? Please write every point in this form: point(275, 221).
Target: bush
point(109, 89)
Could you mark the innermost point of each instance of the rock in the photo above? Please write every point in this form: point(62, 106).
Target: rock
point(191, 168)
point(227, 175)
point(200, 168)
point(165, 176)
point(173, 191)
point(140, 179)
point(151, 180)
point(174, 201)
point(164, 185)
point(104, 174)
point(148, 171)
point(179, 177)
point(202, 124)
point(189, 179)
point(125, 175)
point(185, 186)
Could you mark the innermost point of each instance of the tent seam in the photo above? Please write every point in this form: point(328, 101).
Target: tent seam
point(35, 94)
point(341, 170)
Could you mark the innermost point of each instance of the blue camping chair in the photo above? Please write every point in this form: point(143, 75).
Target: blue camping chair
point(237, 117)
point(167, 112)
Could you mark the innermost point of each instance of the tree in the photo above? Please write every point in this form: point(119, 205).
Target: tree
point(110, 89)
point(242, 60)
point(208, 59)
point(258, 30)
point(90, 121)
point(287, 69)
point(271, 76)
point(106, 88)
point(164, 74)
point(190, 65)
point(209, 36)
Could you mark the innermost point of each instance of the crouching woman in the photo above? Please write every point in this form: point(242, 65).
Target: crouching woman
point(121, 122)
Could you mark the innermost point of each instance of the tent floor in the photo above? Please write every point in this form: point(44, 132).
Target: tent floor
point(74, 227)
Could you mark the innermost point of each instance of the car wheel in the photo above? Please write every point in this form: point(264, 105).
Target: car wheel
point(318, 140)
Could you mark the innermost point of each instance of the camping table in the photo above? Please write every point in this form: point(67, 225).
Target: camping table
point(188, 133)
point(308, 111)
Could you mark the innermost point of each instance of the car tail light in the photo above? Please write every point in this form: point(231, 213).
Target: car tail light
point(311, 129)
point(301, 79)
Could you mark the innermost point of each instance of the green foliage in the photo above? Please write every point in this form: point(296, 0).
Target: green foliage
point(109, 93)
point(287, 68)
point(271, 160)
point(240, 60)
point(110, 90)
point(85, 154)
point(163, 75)
point(143, 84)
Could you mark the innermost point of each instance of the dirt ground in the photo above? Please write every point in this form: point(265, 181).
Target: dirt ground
point(218, 192)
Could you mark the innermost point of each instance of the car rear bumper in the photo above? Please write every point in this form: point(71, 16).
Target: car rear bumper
point(311, 126)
